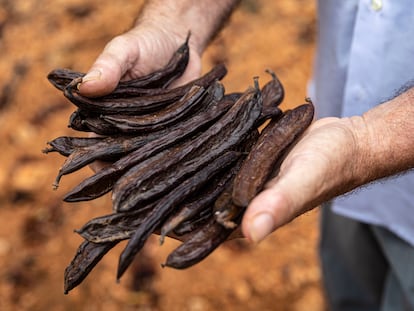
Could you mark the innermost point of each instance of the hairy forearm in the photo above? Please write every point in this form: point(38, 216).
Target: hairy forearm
point(204, 18)
point(385, 136)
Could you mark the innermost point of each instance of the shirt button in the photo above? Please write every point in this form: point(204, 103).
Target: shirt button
point(376, 5)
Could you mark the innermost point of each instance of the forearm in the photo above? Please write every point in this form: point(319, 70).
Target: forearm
point(385, 137)
point(204, 18)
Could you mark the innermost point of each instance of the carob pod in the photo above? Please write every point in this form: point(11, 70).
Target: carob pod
point(160, 118)
point(106, 149)
point(274, 140)
point(175, 67)
point(145, 182)
point(61, 77)
point(165, 206)
point(141, 104)
point(115, 226)
point(120, 124)
point(83, 121)
point(91, 123)
point(126, 91)
point(76, 121)
point(102, 181)
point(66, 145)
point(101, 105)
point(199, 245)
point(272, 94)
point(192, 101)
point(86, 258)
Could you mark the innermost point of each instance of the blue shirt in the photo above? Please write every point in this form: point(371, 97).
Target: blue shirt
point(364, 55)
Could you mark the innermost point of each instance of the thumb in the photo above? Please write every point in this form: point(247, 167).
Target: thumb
point(114, 61)
point(293, 192)
point(268, 211)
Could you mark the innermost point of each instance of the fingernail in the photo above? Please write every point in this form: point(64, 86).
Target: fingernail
point(261, 226)
point(91, 76)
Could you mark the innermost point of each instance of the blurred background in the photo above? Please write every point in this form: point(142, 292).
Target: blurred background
point(37, 241)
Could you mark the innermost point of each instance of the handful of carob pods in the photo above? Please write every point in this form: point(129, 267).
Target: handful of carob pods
point(182, 162)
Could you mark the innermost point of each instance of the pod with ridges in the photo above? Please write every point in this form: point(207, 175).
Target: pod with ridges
point(274, 140)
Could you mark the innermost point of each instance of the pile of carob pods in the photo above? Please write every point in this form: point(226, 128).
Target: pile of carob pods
point(182, 162)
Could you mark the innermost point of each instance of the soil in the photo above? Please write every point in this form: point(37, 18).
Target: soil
point(36, 228)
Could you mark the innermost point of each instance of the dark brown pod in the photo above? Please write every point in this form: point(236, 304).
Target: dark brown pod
point(106, 149)
point(119, 124)
point(61, 77)
point(98, 126)
point(76, 121)
point(65, 145)
point(114, 227)
point(160, 118)
point(273, 94)
point(190, 103)
point(86, 258)
point(198, 246)
point(137, 105)
point(276, 137)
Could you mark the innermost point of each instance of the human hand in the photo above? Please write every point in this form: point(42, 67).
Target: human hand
point(319, 167)
point(135, 53)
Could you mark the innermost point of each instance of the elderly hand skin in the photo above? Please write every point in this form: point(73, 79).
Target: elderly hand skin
point(162, 26)
point(131, 55)
point(333, 157)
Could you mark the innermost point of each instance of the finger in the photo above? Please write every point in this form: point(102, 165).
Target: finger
point(119, 55)
point(292, 193)
point(268, 210)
